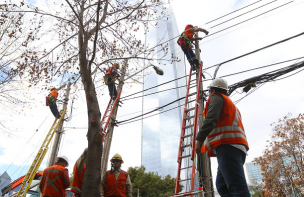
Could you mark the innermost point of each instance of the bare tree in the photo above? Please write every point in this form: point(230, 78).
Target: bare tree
point(12, 36)
point(80, 39)
point(282, 160)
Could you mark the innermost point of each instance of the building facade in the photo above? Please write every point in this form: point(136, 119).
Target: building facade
point(161, 132)
point(254, 172)
point(5, 180)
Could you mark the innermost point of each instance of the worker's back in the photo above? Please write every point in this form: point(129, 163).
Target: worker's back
point(52, 183)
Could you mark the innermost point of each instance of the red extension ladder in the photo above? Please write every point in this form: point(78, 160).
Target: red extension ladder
point(186, 151)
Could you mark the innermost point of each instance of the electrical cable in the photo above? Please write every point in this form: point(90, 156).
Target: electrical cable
point(260, 49)
point(158, 108)
point(27, 142)
point(151, 115)
point(157, 92)
point(243, 14)
point(232, 12)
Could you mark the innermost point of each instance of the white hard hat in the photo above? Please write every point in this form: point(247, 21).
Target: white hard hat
point(63, 157)
point(219, 83)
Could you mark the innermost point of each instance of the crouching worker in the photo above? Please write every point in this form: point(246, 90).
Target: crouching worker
point(78, 172)
point(184, 42)
point(52, 101)
point(116, 182)
point(55, 179)
point(109, 79)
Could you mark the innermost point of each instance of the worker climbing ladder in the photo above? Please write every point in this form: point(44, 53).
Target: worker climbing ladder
point(39, 157)
point(108, 115)
point(109, 120)
point(186, 173)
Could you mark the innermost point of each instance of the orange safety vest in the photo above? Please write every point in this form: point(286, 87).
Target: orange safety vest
point(78, 179)
point(54, 94)
point(228, 130)
point(52, 184)
point(188, 33)
point(115, 187)
point(110, 71)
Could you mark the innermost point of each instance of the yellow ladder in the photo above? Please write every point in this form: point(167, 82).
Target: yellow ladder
point(39, 157)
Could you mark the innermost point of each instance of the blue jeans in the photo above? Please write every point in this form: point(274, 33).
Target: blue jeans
point(112, 90)
point(230, 180)
point(54, 110)
point(193, 61)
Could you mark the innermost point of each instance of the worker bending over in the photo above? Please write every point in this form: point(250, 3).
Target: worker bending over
point(55, 179)
point(184, 41)
point(223, 136)
point(52, 101)
point(116, 182)
point(111, 75)
point(78, 172)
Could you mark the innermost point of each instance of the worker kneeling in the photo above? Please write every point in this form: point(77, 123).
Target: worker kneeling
point(55, 179)
point(116, 182)
point(223, 136)
point(78, 172)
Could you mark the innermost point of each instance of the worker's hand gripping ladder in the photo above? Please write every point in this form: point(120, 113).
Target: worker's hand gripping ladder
point(108, 114)
point(186, 150)
point(39, 158)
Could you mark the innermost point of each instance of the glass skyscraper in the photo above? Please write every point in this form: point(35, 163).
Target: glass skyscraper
point(161, 132)
point(254, 172)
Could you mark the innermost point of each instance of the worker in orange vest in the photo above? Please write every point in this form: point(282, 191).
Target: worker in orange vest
point(52, 101)
point(111, 75)
point(78, 172)
point(184, 41)
point(116, 182)
point(223, 136)
point(55, 179)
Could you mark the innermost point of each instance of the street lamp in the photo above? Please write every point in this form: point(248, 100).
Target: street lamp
point(157, 70)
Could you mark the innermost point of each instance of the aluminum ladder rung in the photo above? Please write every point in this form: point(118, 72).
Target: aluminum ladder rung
point(191, 101)
point(188, 118)
point(187, 145)
point(191, 94)
point(186, 127)
point(190, 109)
point(189, 135)
point(185, 168)
point(184, 180)
point(185, 156)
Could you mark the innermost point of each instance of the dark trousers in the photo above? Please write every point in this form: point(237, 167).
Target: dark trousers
point(112, 90)
point(230, 180)
point(193, 61)
point(54, 110)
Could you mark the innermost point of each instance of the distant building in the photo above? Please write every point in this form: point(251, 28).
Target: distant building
point(5, 179)
point(254, 172)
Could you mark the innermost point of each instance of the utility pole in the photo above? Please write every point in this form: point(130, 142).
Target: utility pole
point(108, 139)
point(59, 131)
point(204, 167)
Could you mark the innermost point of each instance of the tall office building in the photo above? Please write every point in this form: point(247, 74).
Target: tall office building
point(161, 132)
point(254, 172)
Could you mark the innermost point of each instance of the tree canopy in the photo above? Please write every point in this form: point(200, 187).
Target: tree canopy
point(150, 184)
point(282, 161)
point(80, 40)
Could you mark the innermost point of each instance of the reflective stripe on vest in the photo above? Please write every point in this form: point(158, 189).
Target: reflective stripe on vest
point(115, 187)
point(52, 181)
point(229, 128)
point(78, 179)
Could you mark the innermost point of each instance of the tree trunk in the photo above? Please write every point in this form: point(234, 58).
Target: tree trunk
point(92, 173)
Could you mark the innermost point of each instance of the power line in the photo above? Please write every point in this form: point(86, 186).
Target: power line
point(260, 49)
point(233, 12)
point(156, 92)
point(243, 14)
